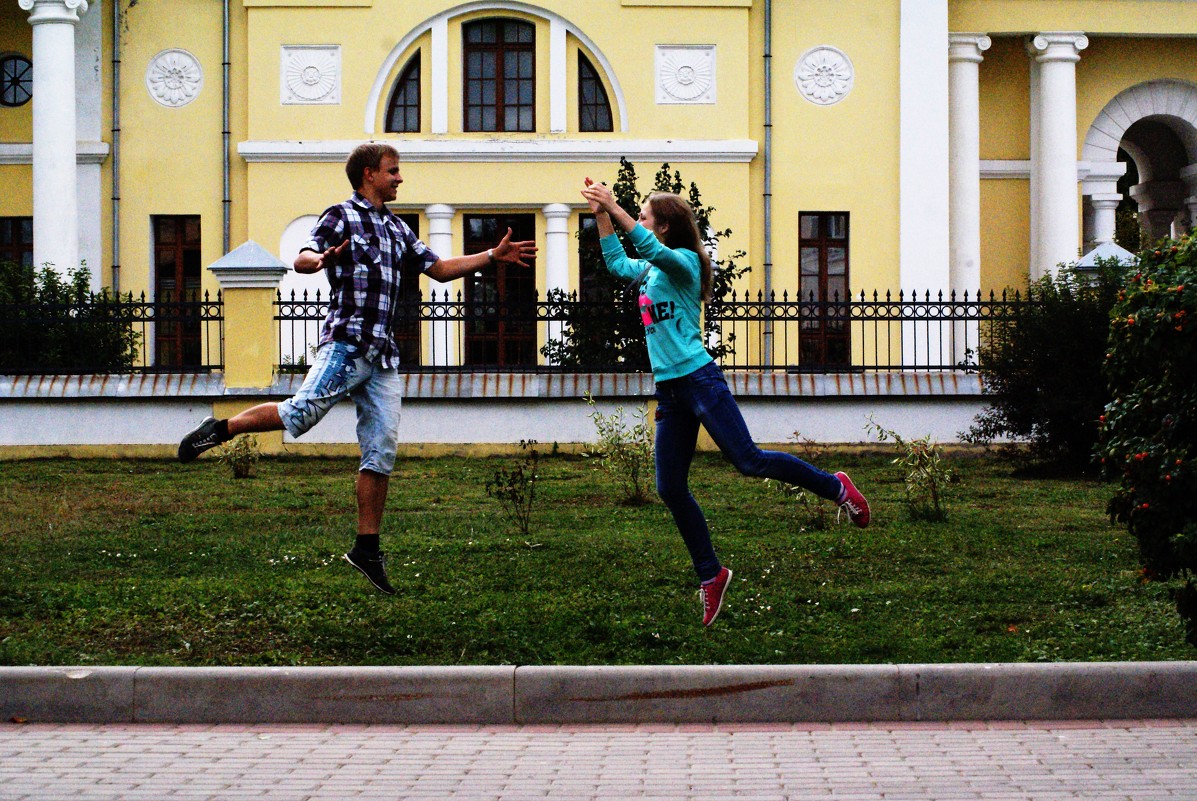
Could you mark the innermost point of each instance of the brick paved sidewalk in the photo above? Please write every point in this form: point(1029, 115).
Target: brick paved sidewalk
point(1094, 760)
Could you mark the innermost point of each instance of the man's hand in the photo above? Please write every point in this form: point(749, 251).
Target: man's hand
point(309, 261)
point(510, 252)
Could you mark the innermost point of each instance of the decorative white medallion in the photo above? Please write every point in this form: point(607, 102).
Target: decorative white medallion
point(174, 78)
point(685, 74)
point(311, 75)
point(824, 75)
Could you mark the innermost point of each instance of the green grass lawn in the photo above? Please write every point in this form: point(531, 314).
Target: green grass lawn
point(153, 563)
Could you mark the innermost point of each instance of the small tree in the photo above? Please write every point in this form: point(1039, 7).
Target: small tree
point(926, 474)
point(624, 451)
point(814, 512)
point(515, 488)
point(240, 454)
point(605, 329)
point(1042, 370)
point(1149, 430)
point(51, 324)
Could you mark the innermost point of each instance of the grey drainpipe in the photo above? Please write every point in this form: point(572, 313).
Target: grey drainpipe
point(227, 202)
point(116, 148)
point(768, 165)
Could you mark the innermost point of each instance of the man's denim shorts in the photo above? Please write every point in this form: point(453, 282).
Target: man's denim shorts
point(339, 370)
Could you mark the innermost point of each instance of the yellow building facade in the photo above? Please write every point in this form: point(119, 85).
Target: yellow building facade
point(889, 145)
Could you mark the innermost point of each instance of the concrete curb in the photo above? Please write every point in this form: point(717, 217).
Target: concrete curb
point(601, 694)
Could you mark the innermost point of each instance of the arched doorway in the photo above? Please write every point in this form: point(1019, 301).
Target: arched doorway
point(1141, 157)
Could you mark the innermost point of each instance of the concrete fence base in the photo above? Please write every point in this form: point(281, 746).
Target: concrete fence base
point(575, 695)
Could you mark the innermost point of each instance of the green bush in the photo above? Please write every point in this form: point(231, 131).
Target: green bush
point(925, 473)
point(1149, 430)
point(240, 454)
point(626, 452)
point(515, 488)
point(814, 513)
point(51, 324)
point(1042, 370)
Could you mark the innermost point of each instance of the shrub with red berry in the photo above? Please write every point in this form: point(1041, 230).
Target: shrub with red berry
point(1148, 441)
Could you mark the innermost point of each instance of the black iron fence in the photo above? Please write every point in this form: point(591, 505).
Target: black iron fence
point(902, 331)
point(102, 334)
point(890, 332)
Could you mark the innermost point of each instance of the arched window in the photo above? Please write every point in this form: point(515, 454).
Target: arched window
point(500, 75)
point(594, 110)
point(16, 80)
point(403, 113)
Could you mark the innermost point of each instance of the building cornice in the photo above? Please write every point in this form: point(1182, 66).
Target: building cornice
point(510, 150)
point(1021, 168)
point(22, 152)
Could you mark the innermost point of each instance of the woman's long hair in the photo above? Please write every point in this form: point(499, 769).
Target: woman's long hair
point(672, 211)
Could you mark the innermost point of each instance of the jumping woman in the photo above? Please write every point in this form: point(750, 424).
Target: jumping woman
point(674, 277)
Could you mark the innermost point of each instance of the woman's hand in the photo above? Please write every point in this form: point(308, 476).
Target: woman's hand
point(599, 197)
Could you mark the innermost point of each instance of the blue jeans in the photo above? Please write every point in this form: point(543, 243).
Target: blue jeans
point(703, 397)
point(339, 371)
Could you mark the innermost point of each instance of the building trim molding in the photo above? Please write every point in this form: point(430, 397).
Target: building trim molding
point(740, 151)
point(1006, 168)
point(22, 153)
point(997, 169)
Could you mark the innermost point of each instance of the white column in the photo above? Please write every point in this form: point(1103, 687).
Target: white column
point(964, 180)
point(923, 145)
point(440, 76)
point(556, 258)
point(1105, 206)
point(964, 169)
point(55, 182)
point(1033, 223)
point(1100, 199)
point(1055, 162)
point(557, 72)
point(1159, 202)
point(93, 151)
point(443, 337)
point(923, 166)
point(556, 246)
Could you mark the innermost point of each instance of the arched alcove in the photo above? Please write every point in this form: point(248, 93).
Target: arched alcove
point(1154, 127)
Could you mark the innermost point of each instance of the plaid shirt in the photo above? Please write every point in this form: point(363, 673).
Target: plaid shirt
point(365, 281)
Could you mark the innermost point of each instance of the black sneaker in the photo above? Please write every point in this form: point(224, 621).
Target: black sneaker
point(373, 567)
point(198, 440)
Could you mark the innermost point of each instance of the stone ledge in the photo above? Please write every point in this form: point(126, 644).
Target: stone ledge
point(602, 694)
point(517, 386)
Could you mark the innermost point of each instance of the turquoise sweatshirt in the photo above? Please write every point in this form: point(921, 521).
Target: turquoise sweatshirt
point(669, 301)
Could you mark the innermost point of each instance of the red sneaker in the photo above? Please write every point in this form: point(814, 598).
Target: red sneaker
point(712, 596)
point(853, 502)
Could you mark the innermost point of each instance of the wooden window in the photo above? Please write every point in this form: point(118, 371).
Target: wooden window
point(504, 335)
point(176, 287)
point(823, 281)
point(16, 240)
point(403, 113)
point(500, 76)
point(594, 110)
